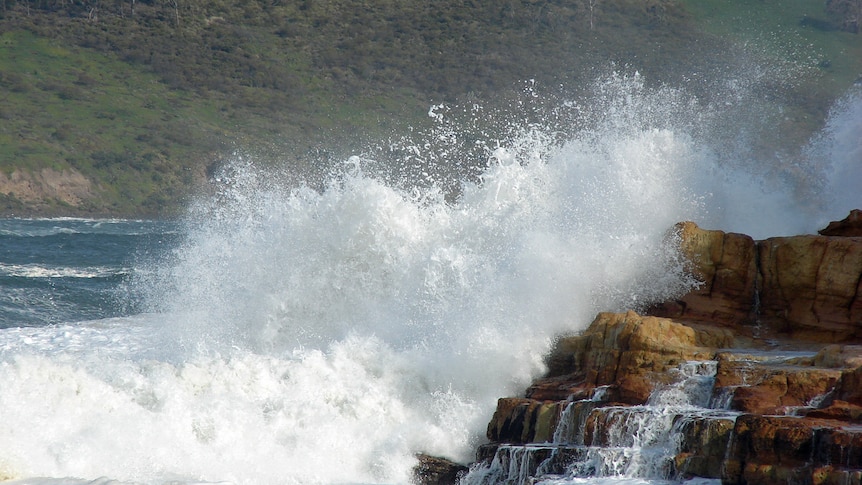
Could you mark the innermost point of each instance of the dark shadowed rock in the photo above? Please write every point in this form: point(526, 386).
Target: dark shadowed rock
point(782, 449)
point(850, 226)
point(432, 470)
point(519, 420)
point(702, 440)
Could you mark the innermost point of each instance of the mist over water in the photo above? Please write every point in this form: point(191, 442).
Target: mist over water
point(326, 335)
point(839, 149)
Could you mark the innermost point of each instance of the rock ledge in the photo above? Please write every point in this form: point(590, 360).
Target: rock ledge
point(778, 322)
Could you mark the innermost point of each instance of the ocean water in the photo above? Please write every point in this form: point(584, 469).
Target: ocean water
point(293, 334)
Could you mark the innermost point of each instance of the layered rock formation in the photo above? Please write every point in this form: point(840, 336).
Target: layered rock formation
point(778, 324)
point(802, 287)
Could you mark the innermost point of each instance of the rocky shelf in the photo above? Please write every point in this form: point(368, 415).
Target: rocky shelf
point(754, 377)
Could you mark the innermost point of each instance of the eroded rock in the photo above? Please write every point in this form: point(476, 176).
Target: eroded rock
point(725, 263)
point(632, 352)
point(779, 449)
point(810, 287)
point(850, 226)
point(68, 186)
point(782, 321)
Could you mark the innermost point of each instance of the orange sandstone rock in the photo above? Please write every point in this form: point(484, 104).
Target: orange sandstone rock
point(810, 287)
point(775, 297)
point(633, 352)
point(725, 263)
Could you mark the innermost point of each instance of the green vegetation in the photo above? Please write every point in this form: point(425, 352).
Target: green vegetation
point(65, 107)
point(144, 97)
point(821, 37)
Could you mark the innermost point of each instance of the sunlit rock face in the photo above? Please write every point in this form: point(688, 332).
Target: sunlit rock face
point(726, 265)
point(800, 287)
point(629, 351)
point(810, 286)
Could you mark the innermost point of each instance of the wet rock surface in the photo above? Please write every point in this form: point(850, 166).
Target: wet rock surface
point(437, 471)
point(755, 377)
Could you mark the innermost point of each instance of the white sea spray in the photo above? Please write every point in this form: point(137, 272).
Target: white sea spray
point(326, 335)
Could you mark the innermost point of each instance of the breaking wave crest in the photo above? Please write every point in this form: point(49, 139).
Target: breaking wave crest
point(327, 334)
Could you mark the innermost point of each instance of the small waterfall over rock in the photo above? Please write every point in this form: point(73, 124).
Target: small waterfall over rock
point(662, 439)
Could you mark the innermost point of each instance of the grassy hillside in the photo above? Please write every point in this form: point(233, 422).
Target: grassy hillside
point(143, 97)
point(818, 40)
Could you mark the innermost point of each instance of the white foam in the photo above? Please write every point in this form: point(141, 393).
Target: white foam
point(325, 336)
point(43, 271)
point(46, 227)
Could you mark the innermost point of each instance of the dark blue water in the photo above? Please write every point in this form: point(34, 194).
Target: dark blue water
point(55, 271)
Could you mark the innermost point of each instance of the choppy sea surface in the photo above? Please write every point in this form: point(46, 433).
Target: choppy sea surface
point(294, 334)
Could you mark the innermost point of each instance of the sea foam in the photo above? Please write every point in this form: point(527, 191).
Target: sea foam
point(327, 334)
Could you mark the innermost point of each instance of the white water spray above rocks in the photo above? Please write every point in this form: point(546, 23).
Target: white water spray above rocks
point(327, 335)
